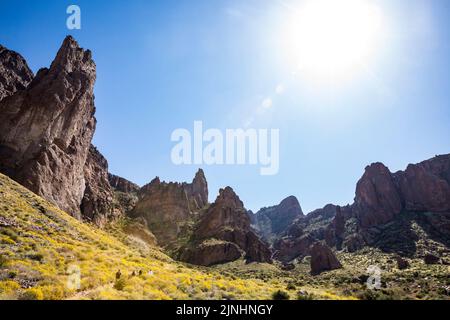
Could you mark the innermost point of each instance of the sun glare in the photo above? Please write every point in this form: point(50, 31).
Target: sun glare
point(332, 38)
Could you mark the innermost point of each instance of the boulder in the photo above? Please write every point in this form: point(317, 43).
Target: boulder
point(323, 259)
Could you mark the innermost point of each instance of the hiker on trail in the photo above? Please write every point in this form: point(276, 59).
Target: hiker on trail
point(118, 275)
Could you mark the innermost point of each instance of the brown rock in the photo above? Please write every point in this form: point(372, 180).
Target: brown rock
point(377, 199)
point(169, 208)
point(47, 129)
point(271, 222)
point(323, 259)
point(122, 185)
point(227, 220)
point(97, 203)
point(15, 75)
point(212, 252)
point(426, 186)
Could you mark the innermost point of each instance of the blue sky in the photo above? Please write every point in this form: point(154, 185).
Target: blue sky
point(164, 64)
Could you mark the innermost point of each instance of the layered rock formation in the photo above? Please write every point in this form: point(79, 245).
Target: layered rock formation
point(122, 185)
point(273, 221)
point(47, 128)
point(168, 208)
point(222, 227)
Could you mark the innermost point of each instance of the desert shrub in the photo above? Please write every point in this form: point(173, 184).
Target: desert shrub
point(280, 295)
point(3, 260)
point(36, 256)
point(303, 295)
point(32, 294)
point(120, 284)
point(291, 286)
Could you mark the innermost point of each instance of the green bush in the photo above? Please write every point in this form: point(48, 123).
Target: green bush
point(280, 295)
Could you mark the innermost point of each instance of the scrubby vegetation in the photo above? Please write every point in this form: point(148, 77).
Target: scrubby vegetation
point(46, 254)
point(43, 250)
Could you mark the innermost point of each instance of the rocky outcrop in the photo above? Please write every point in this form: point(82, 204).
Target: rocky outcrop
point(169, 208)
point(226, 220)
point(323, 259)
point(212, 252)
point(381, 197)
point(121, 184)
point(47, 128)
point(97, 203)
point(271, 222)
point(15, 75)
point(377, 199)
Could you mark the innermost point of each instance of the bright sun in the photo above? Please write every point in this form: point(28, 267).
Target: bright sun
point(332, 38)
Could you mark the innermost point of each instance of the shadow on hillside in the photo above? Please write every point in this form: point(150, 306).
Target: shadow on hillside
point(402, 235)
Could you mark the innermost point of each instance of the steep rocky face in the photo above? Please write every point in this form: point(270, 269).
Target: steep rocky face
point(426, 186)
point(169, 208)
point(323, 259)
point(271, 222)
point(381, 198)
point(122, 185)
point(15, 75)
point(47, 128)
point(226, 220)
point(377, 199)
point(97, 203)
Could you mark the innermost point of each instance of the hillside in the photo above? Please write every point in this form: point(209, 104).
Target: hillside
point(40, 245)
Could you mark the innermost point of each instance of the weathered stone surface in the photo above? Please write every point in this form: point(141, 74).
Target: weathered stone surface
point(169, 208)
point(213, 252)
point(377, 198)
point(273, 221)
point(122, 185)
point(15, 75)
point(47, 129)
point(227, 220)
point(426, 186)
point(97, 203)
point(323, 259)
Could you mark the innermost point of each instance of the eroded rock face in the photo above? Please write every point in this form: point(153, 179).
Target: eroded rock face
point(47, 128)
point(227, 220)
point(15, 75)
point(377, 199)
point(168, 208)
point(426, 186)
point(211, 253)
point(97, 203)
point(271, 222)
point(323, 259)
point(122, 185)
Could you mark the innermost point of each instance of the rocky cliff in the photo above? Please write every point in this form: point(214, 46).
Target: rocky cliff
point(273, 221)
point(169, 208)
point(223, 231)
point(15, 75)
point(418, 195)
point(47, 128)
